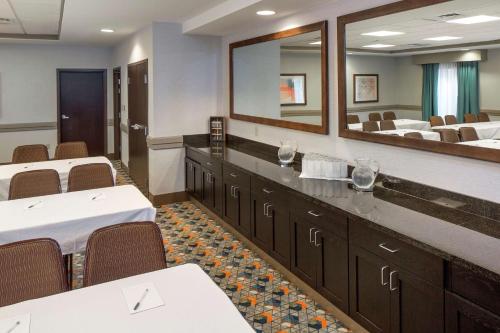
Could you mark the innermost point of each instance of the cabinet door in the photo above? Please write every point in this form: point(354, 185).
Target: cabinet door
point(207, 189)
point(416, 306)
point(230, 213)
point(198, 181)
point(463, 316)
point(370, 299)
point(189, 178)
point(243, 202)
point(280, 242)
point(333, 269)
point(217, 193)
point(262, 228)
point(304, 254)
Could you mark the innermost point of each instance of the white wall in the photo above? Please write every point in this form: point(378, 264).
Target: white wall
point(489, 79)
point(448, 172)
point(28, 88)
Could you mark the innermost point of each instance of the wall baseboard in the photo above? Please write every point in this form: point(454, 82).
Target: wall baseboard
point(168, 198)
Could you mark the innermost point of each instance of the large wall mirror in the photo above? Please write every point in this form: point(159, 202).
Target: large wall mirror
point(281, 79)
point(423, 74)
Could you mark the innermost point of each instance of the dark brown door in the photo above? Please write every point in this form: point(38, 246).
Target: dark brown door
point(82, 108)
point(304, 254)
point(262, 229)
point(138, 121)
point(190, 176)
point(212, 190)
point(117, 102)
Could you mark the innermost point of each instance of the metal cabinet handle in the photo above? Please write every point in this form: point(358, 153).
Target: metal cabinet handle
point(233, 175)
point(209, 164)
point(391, 288)
point(313, 213)
point(382, 275)
point(265, 190)
point(265, 208)
point(236, 191)
point(310, 234)
point(232, 189)
point(209, 178)
point(267, 211)
point(64, 117)
point(316, 237)
point(383, 246)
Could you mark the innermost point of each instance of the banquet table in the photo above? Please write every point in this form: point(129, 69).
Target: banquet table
point(427, 135)
point(486, 130)
point(486, 143)
point(61, 166)
point(400, 124)
point(70, 218)
point(193, 303)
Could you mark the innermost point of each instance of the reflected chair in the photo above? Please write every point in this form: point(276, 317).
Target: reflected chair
point(374, 116)
point(352, 119)
point(483, 117)
point(450, 119)
point(123, 250)
point(436, 121)
point(90, 176)
point(414, 135)
point(31, 269)
point(68, 150)
point(30, 153)
point(470, 118)
point(389, 115)
point(370, 126)
point(449, 135)
point(468, 134)
point(34, 183)
point(387, 125)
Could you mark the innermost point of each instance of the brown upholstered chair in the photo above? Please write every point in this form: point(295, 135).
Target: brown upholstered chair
point(483, 117)
point(30, 153)
point(370, 126)
point(90, 176)
point(123, 250)
point(450, 119)
point(436, 121)
point(414, 135)
point(468, 134)
point(352, 119)
point(470, 118)
point(68, 150)
point(449, 135)
point(34, 183)
point(31, 269)
point(375, 116)
point(389, 115)
point(387, 125)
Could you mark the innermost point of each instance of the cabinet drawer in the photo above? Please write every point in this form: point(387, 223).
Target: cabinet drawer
point(406, 256)
point(236, 176)
point(204, 160)
point(270, 192)
point(322, 217)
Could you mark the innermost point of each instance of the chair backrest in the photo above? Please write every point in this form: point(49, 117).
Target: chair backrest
point(370, 126)
point(468, 134)
point(436, 121)
point(375, 116)
point(123, 250)
point(389, 115)
point(90, 176)
point(387, 125)
point(352, 119)
point(34, 183)
point(31, 269)
point(67, 150)
point(449, 135)
point(30, 153)
point(414, 135)
point(450, 119)
point(470, 118)
point(483, 117)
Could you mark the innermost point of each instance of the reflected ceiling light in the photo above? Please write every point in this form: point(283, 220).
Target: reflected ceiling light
point(315, 43)
point(350, 53)
point(266, 12)
point(442, 38)
point(383, 33)
point(475, 19)
point(107, 30)
point(378, 46)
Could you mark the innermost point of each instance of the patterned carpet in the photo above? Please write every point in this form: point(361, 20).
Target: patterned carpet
point(262, 295)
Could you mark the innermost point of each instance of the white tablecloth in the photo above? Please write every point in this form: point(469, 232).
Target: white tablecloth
point(61, 166)
point(486, 143)
point(400, 124)
point(193, 304)
point(427, 135)
point(486, 130)
point(70, 218)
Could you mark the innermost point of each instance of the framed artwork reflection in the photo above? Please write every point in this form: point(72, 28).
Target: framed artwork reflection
point(365, 88)
point(293, 89)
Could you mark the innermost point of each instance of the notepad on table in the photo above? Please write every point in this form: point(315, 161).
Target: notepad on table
point(142, 297)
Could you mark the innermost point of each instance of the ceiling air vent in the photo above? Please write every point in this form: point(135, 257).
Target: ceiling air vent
point(4, 20)
point(417, 45)
point(443, 18)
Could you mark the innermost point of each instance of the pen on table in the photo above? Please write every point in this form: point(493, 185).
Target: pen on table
point(142, 299)
point(13, 327)
point(97, 196)
point(35, 204)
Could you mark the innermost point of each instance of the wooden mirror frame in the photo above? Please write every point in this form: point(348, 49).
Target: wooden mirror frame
point(427, 145)
point(320, 129)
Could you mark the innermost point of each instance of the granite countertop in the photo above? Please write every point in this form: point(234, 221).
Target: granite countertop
point(454, 235)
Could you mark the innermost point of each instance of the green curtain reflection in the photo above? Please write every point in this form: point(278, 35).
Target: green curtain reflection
point(468, 89)
point(430, 91)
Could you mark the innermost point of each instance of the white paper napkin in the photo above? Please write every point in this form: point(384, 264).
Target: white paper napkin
point(136, 293)
point(10, 324)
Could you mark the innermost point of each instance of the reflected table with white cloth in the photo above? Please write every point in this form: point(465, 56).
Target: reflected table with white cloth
point(192, 303)
point(61, 166)
point(427, 135)
point(486, 130)
point(400, 124)
point(486, 143)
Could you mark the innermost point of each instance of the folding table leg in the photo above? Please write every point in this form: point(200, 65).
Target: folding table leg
point(68, 261)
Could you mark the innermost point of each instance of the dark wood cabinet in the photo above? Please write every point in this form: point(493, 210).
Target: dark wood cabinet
point(212, 190)
point(194, 178)
point(304, 253)
point(236, 200)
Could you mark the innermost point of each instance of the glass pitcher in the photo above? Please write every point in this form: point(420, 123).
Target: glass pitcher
point(287, 151)
point(364, 174)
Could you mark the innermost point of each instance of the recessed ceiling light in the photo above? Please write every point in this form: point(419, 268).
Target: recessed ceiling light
point(378, 46)
point(475, 19)
point(442, 38)
point(383, 33)
point(266, 12)
point(107, 30)
point(315, 43)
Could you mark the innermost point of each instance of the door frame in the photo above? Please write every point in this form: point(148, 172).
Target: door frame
point(117, 120)
point(104, 73)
